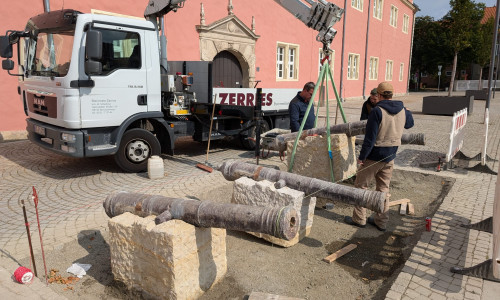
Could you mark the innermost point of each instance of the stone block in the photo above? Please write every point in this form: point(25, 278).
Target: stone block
point(444, 105)
point(478, 94)
point(263, 193)
point(172, 260)
point(312, 159)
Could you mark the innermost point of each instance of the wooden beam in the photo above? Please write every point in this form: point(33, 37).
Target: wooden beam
point(264, 296)
point(340, 253)
point(402, 209)
point(411, 209)
point(397, 202)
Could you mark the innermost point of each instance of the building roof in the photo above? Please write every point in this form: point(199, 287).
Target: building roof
point(489, 12)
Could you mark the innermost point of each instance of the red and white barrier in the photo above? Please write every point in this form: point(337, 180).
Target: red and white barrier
point(457, 133)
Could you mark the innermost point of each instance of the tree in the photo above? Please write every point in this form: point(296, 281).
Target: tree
point(430, 47)
point(460, 21)
point(482, 45)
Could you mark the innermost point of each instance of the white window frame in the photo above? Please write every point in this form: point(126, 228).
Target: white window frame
point(373, 68)
point(332, 61)
point(287, 63)
point(393, 20)
point(357, 4)
point(406, 23)
point(389, 65)
point(401, 70)
point(378, 8)
point(353, 66)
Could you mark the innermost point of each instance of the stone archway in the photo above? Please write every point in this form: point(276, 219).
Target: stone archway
point(232, 35)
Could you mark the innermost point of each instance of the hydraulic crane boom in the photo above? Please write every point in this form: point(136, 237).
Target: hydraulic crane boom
point(320, 16)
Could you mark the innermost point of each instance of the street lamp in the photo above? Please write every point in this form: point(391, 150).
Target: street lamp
point(439, 76)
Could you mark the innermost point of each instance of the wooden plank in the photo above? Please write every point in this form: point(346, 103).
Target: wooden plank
point(411, 209)
point(402, 209)
point(265, 296)
point(397, 202)
point(340, 253)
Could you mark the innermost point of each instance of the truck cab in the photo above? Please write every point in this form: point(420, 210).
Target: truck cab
point(87, 80)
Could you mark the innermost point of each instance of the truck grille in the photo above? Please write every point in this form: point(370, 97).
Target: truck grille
point(42, 104)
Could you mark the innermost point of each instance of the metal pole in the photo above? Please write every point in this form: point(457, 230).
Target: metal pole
point(439, 81)
point(496, 73)
point(258, 120)
point(343, 46)
point(492, 64)
point(27, 224)
point(35, 200)
point(366, 47)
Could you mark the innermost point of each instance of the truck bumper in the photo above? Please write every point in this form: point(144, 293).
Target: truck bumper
point(56, 139)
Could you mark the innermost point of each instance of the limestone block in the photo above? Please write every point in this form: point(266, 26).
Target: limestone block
point(312, 159)
point(173, 260)
point(263, 193)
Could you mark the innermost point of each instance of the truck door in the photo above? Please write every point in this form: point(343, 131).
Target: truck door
point(121, 89)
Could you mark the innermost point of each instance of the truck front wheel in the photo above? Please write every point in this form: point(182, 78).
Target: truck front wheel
point(136, 146)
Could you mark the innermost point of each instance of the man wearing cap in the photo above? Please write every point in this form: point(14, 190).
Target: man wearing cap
point(369, 104)
point(298, 106)
point(384, 129)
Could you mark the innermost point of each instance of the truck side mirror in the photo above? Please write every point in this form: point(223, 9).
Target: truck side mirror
point(93, 47)
point(7, 64)
point(5, 47)
point(93, 44)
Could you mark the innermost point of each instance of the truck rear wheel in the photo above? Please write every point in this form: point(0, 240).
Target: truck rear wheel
point(136, 146)
point(248, 141)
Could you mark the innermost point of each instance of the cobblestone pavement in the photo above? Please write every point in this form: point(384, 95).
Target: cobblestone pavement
point(71, 192)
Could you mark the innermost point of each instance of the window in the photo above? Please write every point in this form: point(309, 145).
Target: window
point(406, 22)
point(357, 4)
point(353, 66)
point(287, 61)
point(401, 70)
point(332, 60)
point(388, 70)
point(120, 50)
point(377, 9)
point(373, 70)
point(393, 21)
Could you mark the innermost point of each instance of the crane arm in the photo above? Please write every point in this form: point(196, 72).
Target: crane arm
point(320, 16)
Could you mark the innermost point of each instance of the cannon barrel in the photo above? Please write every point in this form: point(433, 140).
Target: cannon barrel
point(374, 200)
point(279, 222)
point(350, 129)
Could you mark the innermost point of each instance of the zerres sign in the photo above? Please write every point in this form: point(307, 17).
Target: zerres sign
point(272, 99)
point(457, 133)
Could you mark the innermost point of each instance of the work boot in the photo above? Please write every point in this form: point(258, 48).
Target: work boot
point(349, 220)
point(370, 220)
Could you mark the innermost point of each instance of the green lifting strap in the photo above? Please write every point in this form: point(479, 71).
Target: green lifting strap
point(324, 75)
point(292, 159)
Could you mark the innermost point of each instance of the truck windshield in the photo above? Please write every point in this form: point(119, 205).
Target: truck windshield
point(49, 53)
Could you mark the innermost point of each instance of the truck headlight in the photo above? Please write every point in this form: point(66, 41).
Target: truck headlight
point(68, 137)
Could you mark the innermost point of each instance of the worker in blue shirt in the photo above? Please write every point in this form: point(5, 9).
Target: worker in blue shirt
point(298, 106)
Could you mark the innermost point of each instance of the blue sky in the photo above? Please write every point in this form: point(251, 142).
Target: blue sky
point(438, 8)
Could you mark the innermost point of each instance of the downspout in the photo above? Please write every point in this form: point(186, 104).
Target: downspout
point(411, 51)
point(342, 56)
point(46, 5)
point(366, 47)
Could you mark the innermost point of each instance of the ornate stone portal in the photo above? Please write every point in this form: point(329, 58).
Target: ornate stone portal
point(232, 35)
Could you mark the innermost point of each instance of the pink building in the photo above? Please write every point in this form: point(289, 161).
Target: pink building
point(257, 41)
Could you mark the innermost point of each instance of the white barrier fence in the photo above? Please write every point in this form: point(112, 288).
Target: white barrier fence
point(457, 133)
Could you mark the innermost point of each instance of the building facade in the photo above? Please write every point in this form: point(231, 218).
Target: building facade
point(257, 42)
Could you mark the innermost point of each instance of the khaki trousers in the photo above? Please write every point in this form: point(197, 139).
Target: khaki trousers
point(382, 172)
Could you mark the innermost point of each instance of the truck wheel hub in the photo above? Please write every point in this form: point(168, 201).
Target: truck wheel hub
point(137, 151)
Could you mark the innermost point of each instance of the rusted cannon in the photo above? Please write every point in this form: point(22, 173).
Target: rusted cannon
point(350, 129)
point(373, 200)
point(406, 139)
point(279, 222)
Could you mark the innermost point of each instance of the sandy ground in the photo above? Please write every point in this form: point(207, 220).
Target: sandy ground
point(255, 265)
